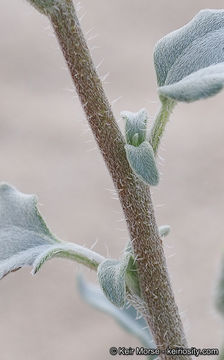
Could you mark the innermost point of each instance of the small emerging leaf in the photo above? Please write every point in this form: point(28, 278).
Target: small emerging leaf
point(189, 62)
point(135, 126)
point(135, 140)
point(116, 277)
point(142, 161)
point(127, 317)
point(164, 230)
point(111, 274)
point(131, 278)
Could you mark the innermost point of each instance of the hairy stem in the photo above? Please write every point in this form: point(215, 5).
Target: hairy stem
point(162, 312)
point(160, 122)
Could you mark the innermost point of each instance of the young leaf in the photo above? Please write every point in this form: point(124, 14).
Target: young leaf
point(135, 126)
point(164, 230)
point(131, 278)
point(189, 62)
point(111, 274)
point(142, 161)
point(127, 317)
point(116, 277)
point(25, 238)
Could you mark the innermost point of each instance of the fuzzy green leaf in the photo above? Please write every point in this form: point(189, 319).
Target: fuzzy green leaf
point(135, 126)
point(164, 230)
point(111, 274)
point(116, 277)
point(142, 161)
point(189, 62)
point(25, 238)
point(131, 278)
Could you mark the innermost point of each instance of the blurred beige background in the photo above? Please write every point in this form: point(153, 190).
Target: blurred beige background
point(47, 149)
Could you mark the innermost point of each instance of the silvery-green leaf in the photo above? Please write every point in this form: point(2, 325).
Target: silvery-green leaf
point(170, 49)
point(189, 61)
point(25, 238)
point(128, 248)
point(23, 233)
point(23, 258)
point(135, 126)
point(135, 140)
point(142, 161)
point(164, 230)
point(200, 84)
point(126, 317)
point(111, 274)
point(131, 278)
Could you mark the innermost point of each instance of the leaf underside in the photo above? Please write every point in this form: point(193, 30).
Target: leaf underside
point(189, 62)
point(25, 238)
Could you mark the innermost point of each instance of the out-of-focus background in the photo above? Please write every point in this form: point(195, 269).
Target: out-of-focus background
point(47, 149)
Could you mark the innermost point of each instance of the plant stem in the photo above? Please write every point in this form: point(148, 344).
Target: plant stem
point(162, 312)
point(160, 122)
